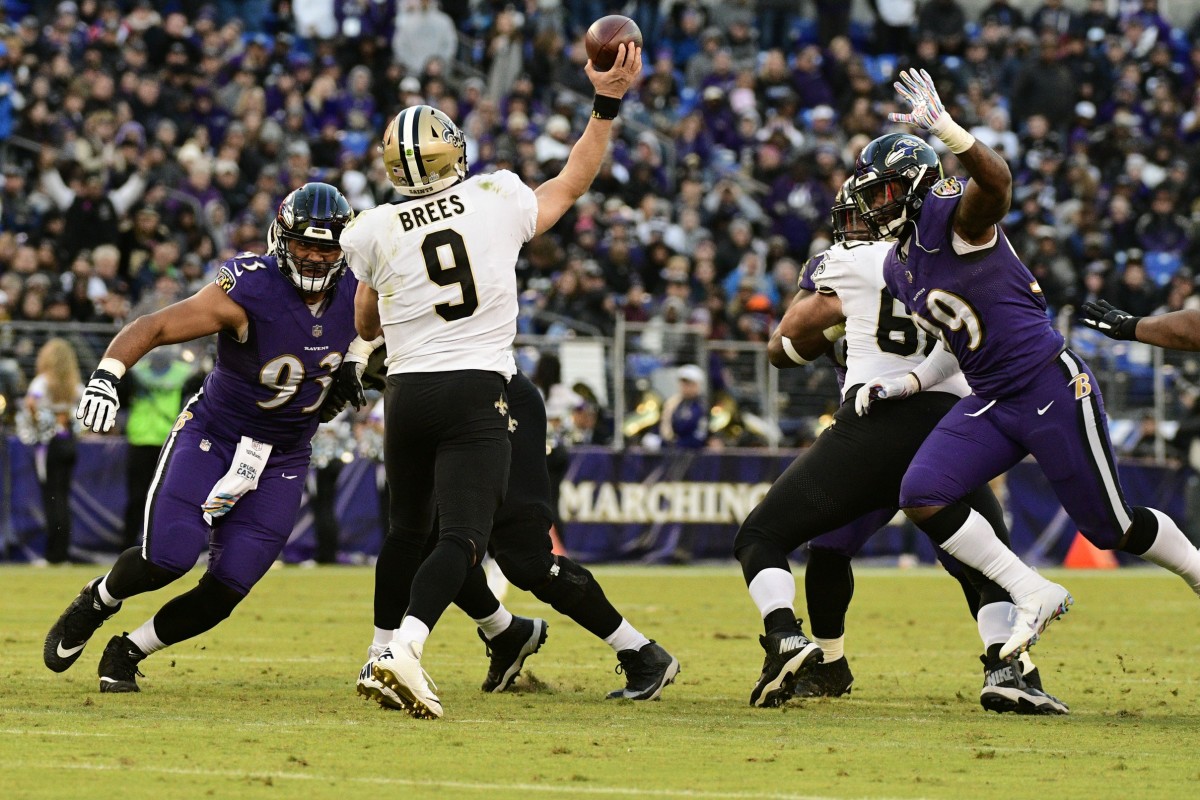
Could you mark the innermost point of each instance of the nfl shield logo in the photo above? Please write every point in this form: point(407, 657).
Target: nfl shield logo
point(317, 331)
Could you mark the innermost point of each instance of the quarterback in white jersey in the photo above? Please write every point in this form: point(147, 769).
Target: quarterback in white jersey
point(437, 281)
point(845, 487)
point(443, 268)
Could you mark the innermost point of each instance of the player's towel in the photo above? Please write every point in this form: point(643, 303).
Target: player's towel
point(249, 461)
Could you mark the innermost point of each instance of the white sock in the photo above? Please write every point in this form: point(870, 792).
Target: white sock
point(995, 623)
point(106, 596)
point(626, 637)
point(382, 638)
point(975, 544)
point(496, 622)
point(146, 639)
point(412, 630)
point(834, 648)
point(1172, 550)
point(773, 589)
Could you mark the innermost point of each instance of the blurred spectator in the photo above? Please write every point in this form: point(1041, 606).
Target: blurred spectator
point(685, 414)
point(586, 427)
point(1044, 86)
point(50, 403)
point(1052, 16)
point(895, 22)
point(423, 32)
point(1134, 292)
point(945, 21)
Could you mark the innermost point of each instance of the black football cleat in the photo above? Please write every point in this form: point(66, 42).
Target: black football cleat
point(647, 672)
point(790, 655)
point(66, 639)
point(508, 650)
point(1006, 689)
point(119, 665)
point(825, 680)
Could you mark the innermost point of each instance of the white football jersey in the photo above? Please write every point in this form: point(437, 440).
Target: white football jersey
point(445, 270)
point(881, 338)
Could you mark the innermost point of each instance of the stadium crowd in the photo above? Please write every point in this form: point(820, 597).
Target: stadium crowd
point(144, 143)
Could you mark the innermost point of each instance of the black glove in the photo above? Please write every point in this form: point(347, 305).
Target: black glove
point(347, 388)
point(1112, 322)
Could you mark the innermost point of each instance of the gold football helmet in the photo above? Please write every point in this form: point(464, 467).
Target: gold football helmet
point(424, 151)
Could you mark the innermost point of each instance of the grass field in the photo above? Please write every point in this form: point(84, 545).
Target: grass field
point(264, 706)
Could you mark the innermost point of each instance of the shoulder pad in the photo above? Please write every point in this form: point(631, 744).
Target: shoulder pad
point(238, 267)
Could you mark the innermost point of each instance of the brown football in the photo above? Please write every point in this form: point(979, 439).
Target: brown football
point(606, 35)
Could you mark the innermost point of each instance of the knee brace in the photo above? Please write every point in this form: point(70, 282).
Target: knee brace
point(528, 571)
point(472, 544)
point(565, 585)
point(1141, 533)
point(521, 544)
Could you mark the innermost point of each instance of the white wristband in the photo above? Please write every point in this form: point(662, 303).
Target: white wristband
point(113, 366)
point(790, 349)
point(360, 349)
point(953, 135)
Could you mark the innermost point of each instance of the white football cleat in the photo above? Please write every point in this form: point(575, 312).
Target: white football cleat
point(376, 690)
point(1035, 612)
point(399, 669)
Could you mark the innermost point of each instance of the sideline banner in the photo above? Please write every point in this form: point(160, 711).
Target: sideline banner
point(615, 506)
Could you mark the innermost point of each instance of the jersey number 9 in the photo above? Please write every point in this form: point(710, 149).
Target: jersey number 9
point(450, 271)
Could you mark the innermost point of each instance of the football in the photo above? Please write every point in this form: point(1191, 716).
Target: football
point(606, 35)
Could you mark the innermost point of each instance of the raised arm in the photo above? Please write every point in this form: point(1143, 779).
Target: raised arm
point(559, 193)
point(989, 193)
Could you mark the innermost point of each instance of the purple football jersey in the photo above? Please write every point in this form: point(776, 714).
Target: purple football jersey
point(986, 305)
point(270, 386)
point(806, 283)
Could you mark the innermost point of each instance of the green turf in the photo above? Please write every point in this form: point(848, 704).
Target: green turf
point(264, 706)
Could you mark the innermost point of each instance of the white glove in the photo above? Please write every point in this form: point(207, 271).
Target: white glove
point(928, 111)
point(917, 88)
point(98, 408)
point(884, 389)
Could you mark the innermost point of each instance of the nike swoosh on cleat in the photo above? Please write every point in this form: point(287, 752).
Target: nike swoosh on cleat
point(1047, 408)
point(67, 652)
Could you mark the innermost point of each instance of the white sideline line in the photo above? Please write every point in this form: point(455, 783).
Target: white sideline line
point(39, 732)
point(431, 784)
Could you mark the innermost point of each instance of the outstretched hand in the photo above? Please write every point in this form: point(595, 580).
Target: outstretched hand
point(624, 73)
point(1112, 322)
point(918, 89)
